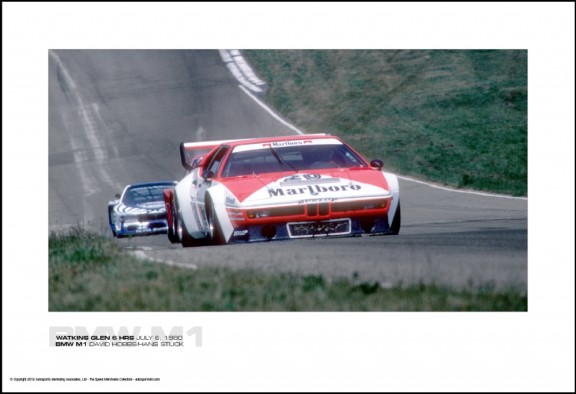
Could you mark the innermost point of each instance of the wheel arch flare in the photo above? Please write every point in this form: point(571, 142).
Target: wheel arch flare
point(222, 199)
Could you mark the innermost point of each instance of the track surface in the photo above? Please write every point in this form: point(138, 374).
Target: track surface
point(117, 117)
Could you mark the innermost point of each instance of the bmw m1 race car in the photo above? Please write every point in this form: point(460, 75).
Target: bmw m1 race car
point(277, 188)
point(140, 210)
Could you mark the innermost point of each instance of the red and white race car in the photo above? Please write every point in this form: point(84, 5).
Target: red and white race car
point(279, 188)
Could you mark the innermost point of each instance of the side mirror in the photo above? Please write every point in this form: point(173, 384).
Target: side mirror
point(117, 196)
point(377, 163)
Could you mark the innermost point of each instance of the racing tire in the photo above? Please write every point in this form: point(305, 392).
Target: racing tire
point(173, 229)
point(112, 225)
point(395, 226)
point(216, 235)
point(172, 236)
point(185, 238)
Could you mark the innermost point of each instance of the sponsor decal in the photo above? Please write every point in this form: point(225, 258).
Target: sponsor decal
point(316, 200)
point(281, 144)
point(287, 143)
point(231, 201)
point(313, 190)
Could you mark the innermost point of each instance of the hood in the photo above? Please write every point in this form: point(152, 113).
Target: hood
point(307, 186)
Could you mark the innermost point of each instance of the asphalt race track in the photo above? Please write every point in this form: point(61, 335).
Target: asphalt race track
point(117, 117)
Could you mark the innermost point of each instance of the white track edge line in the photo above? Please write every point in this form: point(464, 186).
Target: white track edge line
point(461, 191)
point(270, 111)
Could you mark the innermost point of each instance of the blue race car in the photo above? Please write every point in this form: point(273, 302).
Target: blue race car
point(140, 210)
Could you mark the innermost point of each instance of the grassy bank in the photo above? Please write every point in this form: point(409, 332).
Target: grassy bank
point(453, 117)
point(91, 273)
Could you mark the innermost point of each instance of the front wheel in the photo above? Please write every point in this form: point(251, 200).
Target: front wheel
point(111, 219)
point(395, 226)
point(172, 228)
point(215, 230)
point(185, 238)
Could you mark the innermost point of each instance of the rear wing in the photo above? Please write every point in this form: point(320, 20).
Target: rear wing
point(192, 152)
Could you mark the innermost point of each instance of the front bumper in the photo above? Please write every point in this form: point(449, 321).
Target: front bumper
point(152, 227)
point(341, 227)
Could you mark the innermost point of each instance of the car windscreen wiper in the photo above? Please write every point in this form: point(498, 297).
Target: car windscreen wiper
point(280, 160)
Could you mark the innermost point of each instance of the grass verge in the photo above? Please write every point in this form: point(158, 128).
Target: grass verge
point(91, 273)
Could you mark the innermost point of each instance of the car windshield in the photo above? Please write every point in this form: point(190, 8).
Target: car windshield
point(287, 158)
point(143, 194)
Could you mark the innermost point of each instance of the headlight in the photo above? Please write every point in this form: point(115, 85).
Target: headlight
point(129, 219)
point(264, 213)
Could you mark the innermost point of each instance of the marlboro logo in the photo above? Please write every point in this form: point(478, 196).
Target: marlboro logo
point(313, 190)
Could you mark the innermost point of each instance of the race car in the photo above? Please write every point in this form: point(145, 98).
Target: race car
point(277, 188)
point(140, 210)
